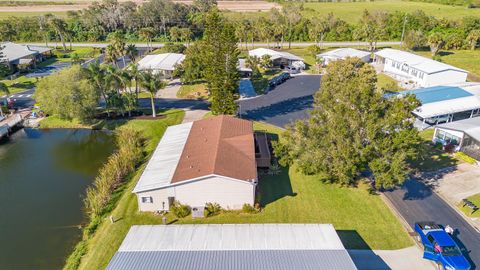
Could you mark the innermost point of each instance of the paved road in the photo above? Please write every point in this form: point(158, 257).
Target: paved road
point(287, 102)
point(415, 201)
point(259, 44)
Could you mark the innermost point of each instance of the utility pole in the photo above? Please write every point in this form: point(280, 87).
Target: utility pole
point(403, 30)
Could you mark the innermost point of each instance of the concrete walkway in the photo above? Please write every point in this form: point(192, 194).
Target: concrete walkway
point(401, 259)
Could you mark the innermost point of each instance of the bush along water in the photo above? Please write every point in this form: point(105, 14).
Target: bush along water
point(102, 195)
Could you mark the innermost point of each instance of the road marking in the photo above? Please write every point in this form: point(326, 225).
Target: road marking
point(28, 95)
point(4, 96)
point(20, 95)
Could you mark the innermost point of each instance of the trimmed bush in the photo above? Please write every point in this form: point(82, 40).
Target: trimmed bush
point(180, 210)
point(212, 209)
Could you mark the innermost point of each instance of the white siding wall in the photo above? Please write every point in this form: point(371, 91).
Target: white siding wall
point(445, 77)
point(224, 191)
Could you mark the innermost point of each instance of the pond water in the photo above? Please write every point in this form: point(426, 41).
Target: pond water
point(43, 177)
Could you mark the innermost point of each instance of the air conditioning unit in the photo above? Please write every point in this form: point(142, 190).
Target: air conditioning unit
point(198, 212)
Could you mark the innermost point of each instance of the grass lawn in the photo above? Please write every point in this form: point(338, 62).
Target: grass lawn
point(434, 158)
point(55, 122)
point(475, 199)
point(193, 91)
point(465, 59)
point(361, 219)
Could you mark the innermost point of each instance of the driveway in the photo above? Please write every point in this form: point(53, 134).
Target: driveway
point(416, 201)
point(401, 259)
point(287, 102)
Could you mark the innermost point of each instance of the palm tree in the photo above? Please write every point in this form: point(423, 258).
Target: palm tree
point(97, 76)
point(111, 55)
point(152, 83)
point(436, 41)
point(117, 41)
point(147, 33)
point(132, 69)
point(131, 51)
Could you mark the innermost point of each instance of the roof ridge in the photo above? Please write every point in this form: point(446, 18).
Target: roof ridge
point(217, 145)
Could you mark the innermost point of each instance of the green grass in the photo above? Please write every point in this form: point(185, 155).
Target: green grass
point(352, 11)
point(56, 122)
point(465, 59)
point(361, 219)
point(475, 199)
point(433, 157)
point(190, 91)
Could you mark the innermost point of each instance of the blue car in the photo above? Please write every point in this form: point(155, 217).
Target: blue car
point(440, 247)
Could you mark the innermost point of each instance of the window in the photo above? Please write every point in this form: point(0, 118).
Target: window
point(420, 75)
point(147, 200)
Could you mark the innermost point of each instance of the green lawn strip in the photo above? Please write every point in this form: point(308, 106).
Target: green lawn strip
point(433, 157)
point(9, 14)
point(361, 219)
point(56, 122)
point(193, 91)
point(464, 59)
point(475, 199)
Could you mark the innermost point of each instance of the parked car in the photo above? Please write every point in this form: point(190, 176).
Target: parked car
point(440, 247)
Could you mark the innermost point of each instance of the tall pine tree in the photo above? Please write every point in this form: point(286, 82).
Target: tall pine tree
point(221, 58)
point(352, 129)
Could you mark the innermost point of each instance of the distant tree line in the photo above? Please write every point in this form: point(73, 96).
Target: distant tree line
point(163, 20)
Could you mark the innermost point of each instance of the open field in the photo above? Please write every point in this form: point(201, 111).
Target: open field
point(64, 6)
point(352, 11)
point(361, 219)
point(465, 59)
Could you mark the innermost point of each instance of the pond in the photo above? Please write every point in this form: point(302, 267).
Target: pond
point(43, 177)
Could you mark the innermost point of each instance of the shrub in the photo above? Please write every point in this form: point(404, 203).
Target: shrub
point(212, 209)
point(73, 261)
point(466, 158)
point(248, 208)
point(180, 210)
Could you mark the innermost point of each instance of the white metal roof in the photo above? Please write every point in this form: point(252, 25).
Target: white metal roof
point(13, 52)
point(163, 61)
point(343, 53)
point(418, 62)
point(162, 164)
point(201, 237)
point(259, 52)
point(448, 106)
point(470, 126)
point(471, 87)
point(242, 65)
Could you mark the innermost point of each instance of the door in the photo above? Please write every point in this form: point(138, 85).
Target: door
point(430, 253)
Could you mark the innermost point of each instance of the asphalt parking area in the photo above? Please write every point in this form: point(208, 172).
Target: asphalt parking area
point(287, 102)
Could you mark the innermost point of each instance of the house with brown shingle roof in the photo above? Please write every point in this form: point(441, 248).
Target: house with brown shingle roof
point(210, 160)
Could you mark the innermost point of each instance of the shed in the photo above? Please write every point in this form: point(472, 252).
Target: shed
point(232, 246)
point(164, 63)
point(209, 160)
point(343, 53)
point(419, 70)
